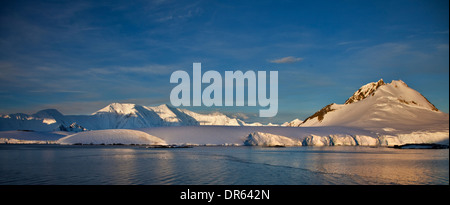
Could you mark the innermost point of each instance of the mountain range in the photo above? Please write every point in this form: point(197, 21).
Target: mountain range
point(378, 106)
point(114, 116)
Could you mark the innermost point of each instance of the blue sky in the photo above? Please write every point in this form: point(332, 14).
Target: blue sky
point(79, 56)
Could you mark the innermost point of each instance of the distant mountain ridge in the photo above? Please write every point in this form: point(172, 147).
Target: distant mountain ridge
point(114, 116)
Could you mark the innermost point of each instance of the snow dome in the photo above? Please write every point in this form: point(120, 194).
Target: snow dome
point(112, 136)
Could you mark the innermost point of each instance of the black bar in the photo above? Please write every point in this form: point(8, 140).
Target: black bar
point(274, 193)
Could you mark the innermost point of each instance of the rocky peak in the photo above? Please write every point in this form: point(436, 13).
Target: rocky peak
point(365, 91)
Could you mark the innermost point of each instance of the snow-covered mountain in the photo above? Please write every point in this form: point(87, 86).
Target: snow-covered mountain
point(114, 116)
point(293, 123)
point(41, 121)
point(379, 106)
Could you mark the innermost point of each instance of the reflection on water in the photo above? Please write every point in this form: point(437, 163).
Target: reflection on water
point(54, 164)
point(384, 165)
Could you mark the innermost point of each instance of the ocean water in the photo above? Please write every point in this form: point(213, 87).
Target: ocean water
point(124, 165)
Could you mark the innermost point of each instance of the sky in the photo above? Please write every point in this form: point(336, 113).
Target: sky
point(79, 56)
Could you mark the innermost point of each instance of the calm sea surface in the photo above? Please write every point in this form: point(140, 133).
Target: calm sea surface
point(87, 165)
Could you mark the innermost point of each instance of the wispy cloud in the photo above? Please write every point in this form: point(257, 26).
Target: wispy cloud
point(165, 11)
point(441, 32)
point(151, 69)
point(344, 43)
point(289, 59)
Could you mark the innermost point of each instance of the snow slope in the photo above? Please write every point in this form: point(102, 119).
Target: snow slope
point(112, 136)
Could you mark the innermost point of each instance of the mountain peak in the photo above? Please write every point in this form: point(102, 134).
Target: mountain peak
point(48, 113)
point(119, 108)
point(365, 91)
point(398, 83)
